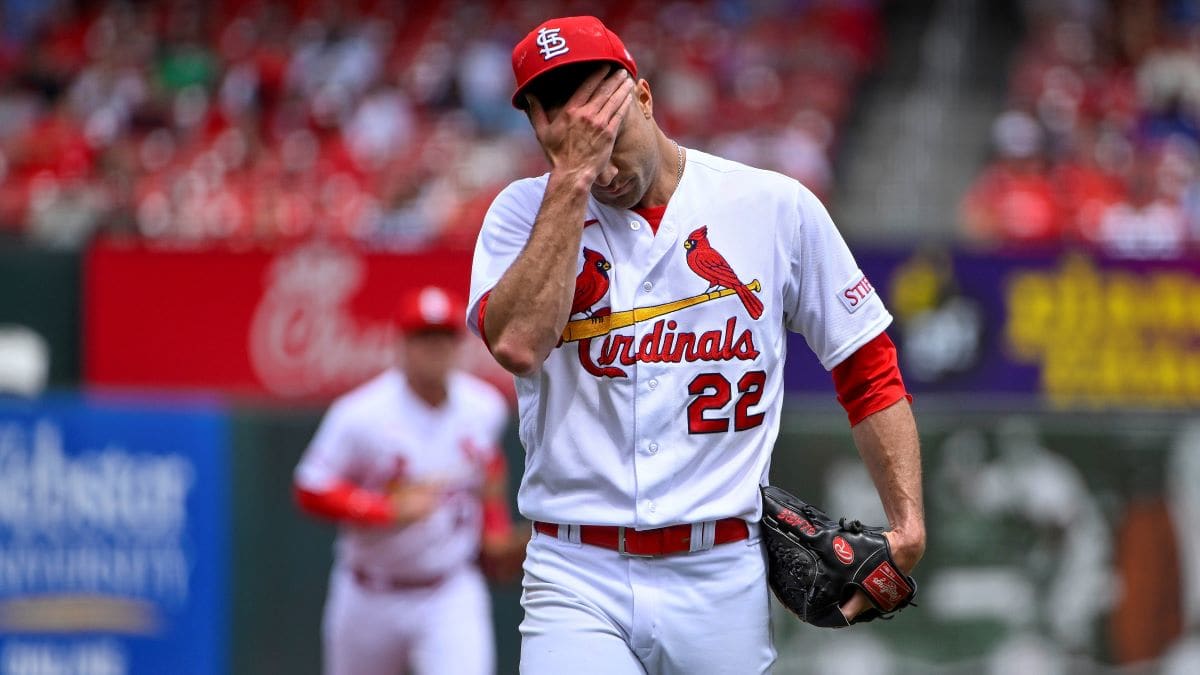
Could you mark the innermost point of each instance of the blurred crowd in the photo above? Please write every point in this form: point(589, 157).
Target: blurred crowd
point(387, 123)
point(1100, 144)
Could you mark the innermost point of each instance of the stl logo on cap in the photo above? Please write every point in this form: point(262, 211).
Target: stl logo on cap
point(434, 306)
point(551, 44)
point(429, 308)
point(561, 42)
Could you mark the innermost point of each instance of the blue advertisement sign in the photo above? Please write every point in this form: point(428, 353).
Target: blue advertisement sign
point(114, 536)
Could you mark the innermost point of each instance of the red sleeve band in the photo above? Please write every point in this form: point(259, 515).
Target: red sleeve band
point(869, 380)
point(479, 319)
point(345, 502)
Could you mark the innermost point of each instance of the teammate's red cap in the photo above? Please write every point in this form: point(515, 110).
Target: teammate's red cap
point(429, 308)
point(563, 41)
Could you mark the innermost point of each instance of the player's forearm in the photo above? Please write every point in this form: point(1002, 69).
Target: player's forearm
point(890, 448)
point(529, 307)
point(345, 502)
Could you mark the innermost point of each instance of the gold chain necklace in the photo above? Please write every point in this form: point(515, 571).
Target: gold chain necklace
point(678, 163)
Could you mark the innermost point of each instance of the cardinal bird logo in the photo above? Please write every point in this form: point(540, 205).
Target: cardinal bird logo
point(711, 266)
point(592, 283)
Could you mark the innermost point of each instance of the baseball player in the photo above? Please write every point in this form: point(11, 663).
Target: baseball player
point(409, 465)
point(639, 291)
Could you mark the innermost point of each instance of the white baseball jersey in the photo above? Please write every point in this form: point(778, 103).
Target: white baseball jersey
point(666, 410)
point(379, 435)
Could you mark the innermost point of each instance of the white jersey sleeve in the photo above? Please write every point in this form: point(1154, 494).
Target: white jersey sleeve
point(490, 412)
point(330, 457)
point(497, 421)
point(505, 230)
point(828, 299)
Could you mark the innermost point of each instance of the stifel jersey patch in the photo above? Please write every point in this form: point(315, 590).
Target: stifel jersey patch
point(856, 293)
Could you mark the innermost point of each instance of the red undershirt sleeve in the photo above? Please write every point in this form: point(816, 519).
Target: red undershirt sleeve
point(497, 517)
point(346, 502)
point(869, 380)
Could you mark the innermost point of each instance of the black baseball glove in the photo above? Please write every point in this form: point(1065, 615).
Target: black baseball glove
point(814, 563)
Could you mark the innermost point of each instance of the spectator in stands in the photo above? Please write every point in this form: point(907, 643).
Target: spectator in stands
point(1169, 86)
point(1149, 224)
point(1014, 200)
point(1089, 180)
point(1178, 177)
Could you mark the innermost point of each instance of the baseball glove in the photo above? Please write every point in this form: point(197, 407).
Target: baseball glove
point(814, 563)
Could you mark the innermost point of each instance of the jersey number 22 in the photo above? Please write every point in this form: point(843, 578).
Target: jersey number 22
point(713, 392)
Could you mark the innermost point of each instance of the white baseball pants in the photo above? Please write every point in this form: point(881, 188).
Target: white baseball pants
point(593, 611)
point(444, 630)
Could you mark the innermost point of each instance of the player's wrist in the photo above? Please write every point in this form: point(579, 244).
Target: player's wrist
point(404, 511)
point(575, 181)
point(907, 545)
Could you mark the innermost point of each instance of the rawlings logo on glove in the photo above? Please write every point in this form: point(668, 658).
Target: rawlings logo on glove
point(816, 563)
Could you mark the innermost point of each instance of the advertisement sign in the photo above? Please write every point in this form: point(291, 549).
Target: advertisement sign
point(1074, 331)
point(113, 537)
point(306, 322)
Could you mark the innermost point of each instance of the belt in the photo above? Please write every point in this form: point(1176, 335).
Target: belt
point(649, 543)
point(374, 582)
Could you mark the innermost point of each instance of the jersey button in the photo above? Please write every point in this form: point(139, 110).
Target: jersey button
point(653, 384)
point(635, 225)
point(647, 286)
point(653, 448)
point(650, 506)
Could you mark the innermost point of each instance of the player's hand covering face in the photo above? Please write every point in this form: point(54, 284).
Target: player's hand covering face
point(578, 138)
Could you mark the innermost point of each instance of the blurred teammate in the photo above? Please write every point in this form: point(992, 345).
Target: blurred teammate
point(640, 292)
point(409, 464)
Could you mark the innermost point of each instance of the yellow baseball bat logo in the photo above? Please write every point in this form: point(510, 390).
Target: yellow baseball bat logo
point(582, 329)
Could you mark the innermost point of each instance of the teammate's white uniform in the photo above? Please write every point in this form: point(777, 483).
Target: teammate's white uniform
point(672, 419)
point(412, 595)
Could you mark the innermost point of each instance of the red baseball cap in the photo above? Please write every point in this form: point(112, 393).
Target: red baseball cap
point(429, 308)
point(559, 42)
